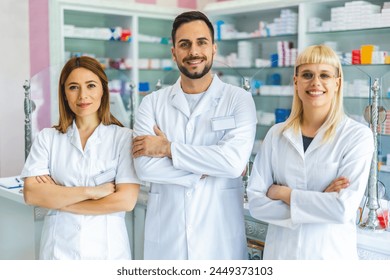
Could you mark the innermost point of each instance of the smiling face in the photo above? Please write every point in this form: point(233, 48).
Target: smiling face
point(316, 85)
point(194, 49)
point(83, 91)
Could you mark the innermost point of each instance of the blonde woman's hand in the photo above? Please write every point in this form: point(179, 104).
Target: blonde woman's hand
point(279, 192)
point(338, 184)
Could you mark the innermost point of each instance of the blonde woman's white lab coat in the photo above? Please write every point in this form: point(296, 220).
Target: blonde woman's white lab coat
point(189, 217)
point(317, 225)
point(105, 158)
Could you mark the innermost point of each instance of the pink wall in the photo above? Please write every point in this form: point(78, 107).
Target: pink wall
point(146, 1)
point(39, 35)
point(189, 4)
point(40, 51)
point(40, 57)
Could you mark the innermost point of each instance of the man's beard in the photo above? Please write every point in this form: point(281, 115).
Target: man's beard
point(196, 75)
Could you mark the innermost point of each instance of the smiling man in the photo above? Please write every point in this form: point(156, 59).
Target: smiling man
point(193, 141)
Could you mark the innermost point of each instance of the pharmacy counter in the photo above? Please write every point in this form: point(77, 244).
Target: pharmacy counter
point(371, 245)
point(20, 226)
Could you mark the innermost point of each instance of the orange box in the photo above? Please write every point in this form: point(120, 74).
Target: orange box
point(366, 54)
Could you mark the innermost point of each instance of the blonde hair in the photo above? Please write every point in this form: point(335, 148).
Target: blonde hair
point(66, 114)
point(319, 54)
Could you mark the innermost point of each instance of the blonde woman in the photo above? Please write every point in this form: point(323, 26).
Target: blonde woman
point(311, 172)
point(82, 170)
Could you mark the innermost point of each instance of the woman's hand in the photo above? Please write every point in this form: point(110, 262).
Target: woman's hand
point(45, 179)
point(101, 191)
point(337, 185)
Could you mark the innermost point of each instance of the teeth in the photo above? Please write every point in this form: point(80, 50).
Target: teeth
point(315, 92)
point(194, 61)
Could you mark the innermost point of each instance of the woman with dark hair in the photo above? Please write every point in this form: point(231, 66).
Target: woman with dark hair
point(82, 171)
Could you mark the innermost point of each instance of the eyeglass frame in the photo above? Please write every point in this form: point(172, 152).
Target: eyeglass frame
point(316, 75)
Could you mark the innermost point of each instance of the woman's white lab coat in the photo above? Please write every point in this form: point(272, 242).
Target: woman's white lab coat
point(317, 225)
point(106, 154)
point(189, 217)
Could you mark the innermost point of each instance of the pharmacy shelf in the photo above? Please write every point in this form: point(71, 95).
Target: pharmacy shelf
point(362, 31)
point(268, 38)
point(245, 15)
point(149, 39)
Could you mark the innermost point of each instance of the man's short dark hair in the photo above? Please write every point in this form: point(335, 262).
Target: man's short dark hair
point(188, 17)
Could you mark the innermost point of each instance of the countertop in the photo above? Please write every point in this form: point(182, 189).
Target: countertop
point(12, 194)
point(378, 242)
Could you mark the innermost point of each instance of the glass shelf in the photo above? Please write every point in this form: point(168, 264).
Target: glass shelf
point(96, 39)
point(276, 37)
point(250, 68)
point(271, 96)
point(356, 97)
point(365, 65)
point(292, 67)
point(352, 31)
point(104, 40)
point(157, 70)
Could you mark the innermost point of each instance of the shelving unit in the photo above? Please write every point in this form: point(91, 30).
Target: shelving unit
point(250, 19)
point(143, 57)
point(246, 15)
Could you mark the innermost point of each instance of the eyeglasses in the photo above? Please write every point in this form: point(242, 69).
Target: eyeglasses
point(324, 77)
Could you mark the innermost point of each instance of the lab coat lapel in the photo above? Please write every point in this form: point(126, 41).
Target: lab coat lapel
point(317, 141)
point(295, 139)
point(95, 138)
point(210, 98)
point(178, 99)
point(74, 137)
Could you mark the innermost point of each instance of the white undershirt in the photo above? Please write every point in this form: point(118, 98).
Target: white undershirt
point(193, 100)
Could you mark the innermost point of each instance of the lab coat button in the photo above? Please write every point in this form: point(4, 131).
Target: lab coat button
point(189, 228)
point(188, 194)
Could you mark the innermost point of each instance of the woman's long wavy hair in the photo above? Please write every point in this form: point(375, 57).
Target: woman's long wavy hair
point(66, 114)
point(319, 54)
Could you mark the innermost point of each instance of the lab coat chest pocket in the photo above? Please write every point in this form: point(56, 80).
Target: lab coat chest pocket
point(102, 171)
point(321, 175)
point(223, 123)
point(218, 127)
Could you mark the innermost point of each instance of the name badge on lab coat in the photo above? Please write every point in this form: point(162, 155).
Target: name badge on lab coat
point(105, 177)
point(223, 123)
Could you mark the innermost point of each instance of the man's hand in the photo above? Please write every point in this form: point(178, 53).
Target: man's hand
point(152, 146)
